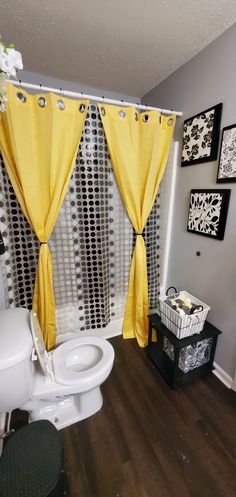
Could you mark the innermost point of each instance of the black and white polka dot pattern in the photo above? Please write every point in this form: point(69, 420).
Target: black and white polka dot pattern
point(21, 245)
point(152, 241)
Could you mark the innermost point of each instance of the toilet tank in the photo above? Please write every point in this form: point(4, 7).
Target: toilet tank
point(16, 368)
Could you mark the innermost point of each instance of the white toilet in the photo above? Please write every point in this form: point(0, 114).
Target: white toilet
point(63, 385)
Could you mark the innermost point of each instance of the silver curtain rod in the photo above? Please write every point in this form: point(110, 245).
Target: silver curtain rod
point(91, 97)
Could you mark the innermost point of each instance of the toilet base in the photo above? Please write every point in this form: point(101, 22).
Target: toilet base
point(64, 411)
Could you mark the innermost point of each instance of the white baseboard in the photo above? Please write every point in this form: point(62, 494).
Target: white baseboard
point(2, 422)
point(2, 427)
point(222, 375)
point(113, 329)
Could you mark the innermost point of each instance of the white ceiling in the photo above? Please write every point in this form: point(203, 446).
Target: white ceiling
point(121, 45)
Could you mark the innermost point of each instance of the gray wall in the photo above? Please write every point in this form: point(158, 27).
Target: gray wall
point(36, 78)
point(207, 79)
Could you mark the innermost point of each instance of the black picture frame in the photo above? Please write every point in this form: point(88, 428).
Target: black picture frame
point(208, 211)
point(227, 161)
point(201, 136)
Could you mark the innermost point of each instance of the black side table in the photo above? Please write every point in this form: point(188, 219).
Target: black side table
point(178, 359)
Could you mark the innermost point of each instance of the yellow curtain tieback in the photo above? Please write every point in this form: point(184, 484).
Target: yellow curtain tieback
point(43, 243)
point(139, 234)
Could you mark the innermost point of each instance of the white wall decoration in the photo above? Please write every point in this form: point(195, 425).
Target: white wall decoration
point(227, 162)
point(208, 212)
point(201, 136)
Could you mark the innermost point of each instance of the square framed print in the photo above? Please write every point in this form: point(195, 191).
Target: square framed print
point(227, 162)
point(208, 212)
point(201, 136)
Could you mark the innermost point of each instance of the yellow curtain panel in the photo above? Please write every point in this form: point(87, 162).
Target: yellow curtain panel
point(39, 138)
point(139, 145)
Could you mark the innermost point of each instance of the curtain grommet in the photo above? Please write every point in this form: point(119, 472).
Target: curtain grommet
point(21, 97)
point(42, 102)
point(60, 105)
point(82, 108)
point(103, 111)
point(170, 121)
point(122, 113)
point(146, 118)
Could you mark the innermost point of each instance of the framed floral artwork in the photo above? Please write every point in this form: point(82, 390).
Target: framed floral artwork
point(201, 137)
point(227, 163)
point(208, 212)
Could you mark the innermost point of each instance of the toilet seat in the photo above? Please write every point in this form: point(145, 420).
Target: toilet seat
point(65, 375)
point(53, 364)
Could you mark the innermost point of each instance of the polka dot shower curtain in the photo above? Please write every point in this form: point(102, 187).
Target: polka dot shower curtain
point(91, 244)
point(139, 147)
point(39, 138)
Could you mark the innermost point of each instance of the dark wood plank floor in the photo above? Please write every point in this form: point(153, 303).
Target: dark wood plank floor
point(151, 441)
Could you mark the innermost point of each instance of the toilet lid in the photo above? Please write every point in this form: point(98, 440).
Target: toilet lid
point(38, 341)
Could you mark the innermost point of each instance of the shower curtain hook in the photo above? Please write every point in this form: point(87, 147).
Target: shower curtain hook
point(137, 111)
point(160, 116)
point(121, 111)
point(103, 110)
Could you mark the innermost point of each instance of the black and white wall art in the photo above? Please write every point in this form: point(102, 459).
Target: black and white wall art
point(227, 162)
point(201, 137)
point(208, 212)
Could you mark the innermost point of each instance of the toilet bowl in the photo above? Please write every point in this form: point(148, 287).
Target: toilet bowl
point(63, 385)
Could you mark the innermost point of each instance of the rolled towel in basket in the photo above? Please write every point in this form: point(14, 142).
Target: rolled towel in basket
point(183, 306)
